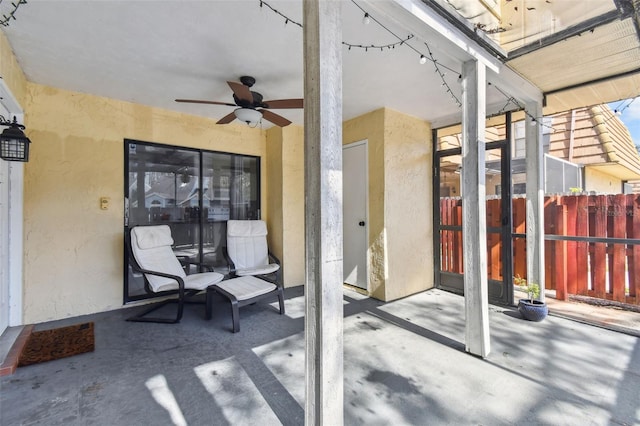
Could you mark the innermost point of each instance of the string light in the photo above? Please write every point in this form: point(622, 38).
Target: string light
point(431, 58)
point(286, 18)
point(621, 107)
point(401, 41)
point(12, 15)
point(511, 100)
point(437, 67)
point(617, 112)
point(377, 46)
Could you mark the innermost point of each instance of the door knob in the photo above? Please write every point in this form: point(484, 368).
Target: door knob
point(361, 223)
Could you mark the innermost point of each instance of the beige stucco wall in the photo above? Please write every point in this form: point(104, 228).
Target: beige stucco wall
point(408, 205)
point(11, 73)
point(274, 201)
point(73, 261)
point(293, 204)
point(285, 161)
point(599, 181)
point(400, 255)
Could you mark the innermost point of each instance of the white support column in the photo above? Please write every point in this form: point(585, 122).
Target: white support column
point(323, 211)
point(474, 234)
point(535, 194)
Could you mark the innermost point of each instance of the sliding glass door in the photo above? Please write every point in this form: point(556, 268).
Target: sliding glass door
point(194, 192)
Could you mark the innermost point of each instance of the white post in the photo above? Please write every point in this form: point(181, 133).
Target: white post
point(535, 194)
point(323, 211)
point(474, 234)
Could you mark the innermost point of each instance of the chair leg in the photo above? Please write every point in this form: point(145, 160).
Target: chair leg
point(180, 300)
point(235, 315)
point(141, 317)
point(180, 306)
point(208, 304)
point(281, 300)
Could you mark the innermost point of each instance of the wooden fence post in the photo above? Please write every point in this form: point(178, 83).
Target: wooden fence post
point(634, 259)
point(571, 202)
point(599, 258)
point(617, 266)
point(549, 246)
point(494, 240)
point(582, 247)
point(520, 244)
point(457, 242)
point(560, 255)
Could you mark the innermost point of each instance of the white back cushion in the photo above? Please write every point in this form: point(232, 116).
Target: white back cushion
point(151, 247)
point(247, 243)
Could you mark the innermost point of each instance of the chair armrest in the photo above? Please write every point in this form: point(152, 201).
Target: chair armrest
point(232, 266)
point(278, 273)
point(180, 280)
point(273, 258)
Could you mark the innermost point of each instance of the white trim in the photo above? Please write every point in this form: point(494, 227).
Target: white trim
point(16, 243)
point(16, 216)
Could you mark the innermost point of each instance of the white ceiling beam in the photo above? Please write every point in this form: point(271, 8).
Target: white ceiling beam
point(515, 85)
point(426, 24)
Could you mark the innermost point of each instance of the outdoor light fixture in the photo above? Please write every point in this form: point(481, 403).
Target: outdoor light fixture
point(14, 145)
point(248, 115)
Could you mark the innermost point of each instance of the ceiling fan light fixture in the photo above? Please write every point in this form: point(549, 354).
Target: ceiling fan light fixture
point(248, 115)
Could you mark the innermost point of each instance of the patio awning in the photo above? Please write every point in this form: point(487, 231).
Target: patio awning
point(578, 53)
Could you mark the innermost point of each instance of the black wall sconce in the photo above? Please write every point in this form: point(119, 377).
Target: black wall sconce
point(14, 145)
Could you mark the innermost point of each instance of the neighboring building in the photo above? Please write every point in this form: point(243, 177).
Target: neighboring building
point(596, 139)
point(587, 149)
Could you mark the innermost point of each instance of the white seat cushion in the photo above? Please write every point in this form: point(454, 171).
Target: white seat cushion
point(193, 282)
point(246, 287)
point(259, 270)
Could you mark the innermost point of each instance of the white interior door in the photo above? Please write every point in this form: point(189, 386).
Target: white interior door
point(354, 206)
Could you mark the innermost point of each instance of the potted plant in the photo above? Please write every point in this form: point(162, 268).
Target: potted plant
point(531, 309)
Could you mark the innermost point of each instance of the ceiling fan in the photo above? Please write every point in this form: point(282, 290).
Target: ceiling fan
point(251, 106)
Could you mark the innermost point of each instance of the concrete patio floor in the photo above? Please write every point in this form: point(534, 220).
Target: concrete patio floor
point(404, 363)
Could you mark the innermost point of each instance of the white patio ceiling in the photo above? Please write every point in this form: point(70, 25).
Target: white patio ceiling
point(154, 51)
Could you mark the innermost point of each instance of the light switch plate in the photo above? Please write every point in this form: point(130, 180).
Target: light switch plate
point(104, 203)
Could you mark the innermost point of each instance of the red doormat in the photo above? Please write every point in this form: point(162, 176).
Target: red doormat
point(47, 345)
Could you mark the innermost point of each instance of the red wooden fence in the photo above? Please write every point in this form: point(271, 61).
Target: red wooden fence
point(606, 270)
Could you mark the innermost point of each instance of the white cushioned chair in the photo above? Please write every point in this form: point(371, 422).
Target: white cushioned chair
point(252, 275)
point(247, 252)
point(151, 254)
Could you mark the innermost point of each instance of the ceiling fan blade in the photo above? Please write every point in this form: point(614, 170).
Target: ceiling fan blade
point(227, 118)
point(276, 119)
point(241, 91)
point(284, 103)
point(195, 101)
